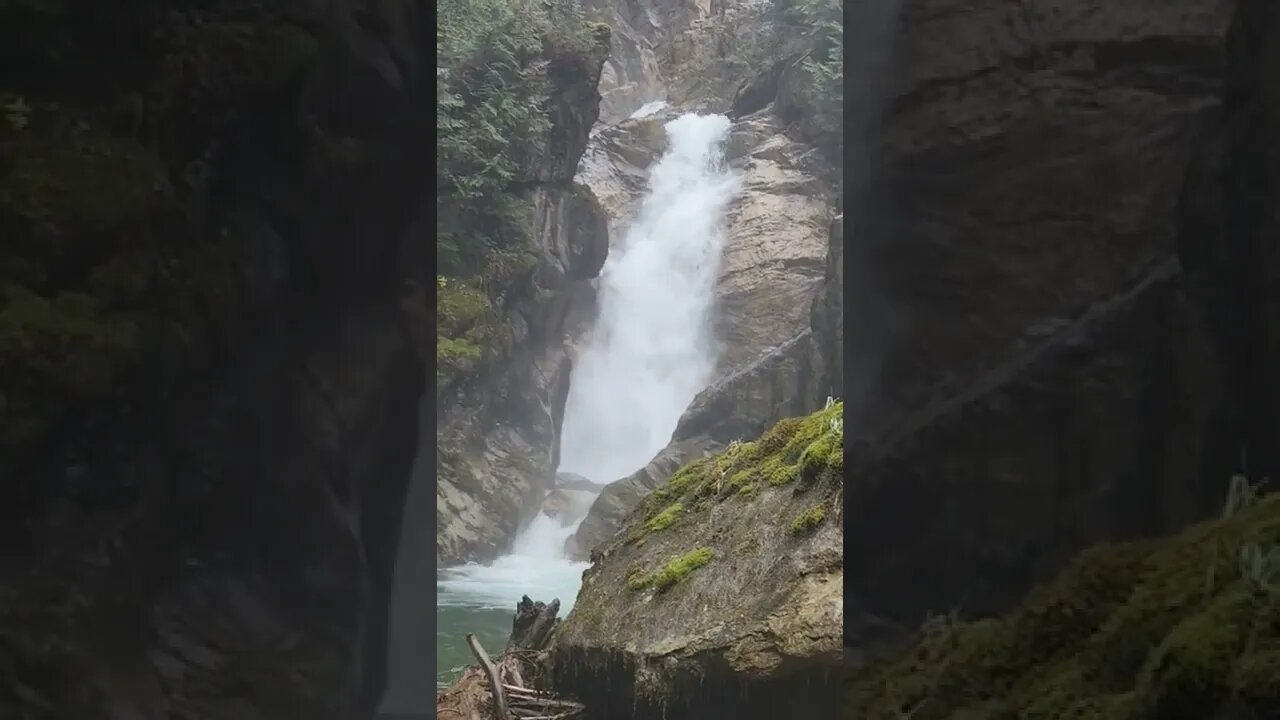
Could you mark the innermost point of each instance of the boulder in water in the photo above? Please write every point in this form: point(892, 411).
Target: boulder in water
point(572, 481)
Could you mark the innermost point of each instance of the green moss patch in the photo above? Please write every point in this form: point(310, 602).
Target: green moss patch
point(808, 520)
point(672, 573)
point(1182, 627)
point(664, 519)
point(809, 450)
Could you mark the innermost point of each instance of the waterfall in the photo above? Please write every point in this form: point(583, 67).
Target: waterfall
point(651, 350)
point(648, 355)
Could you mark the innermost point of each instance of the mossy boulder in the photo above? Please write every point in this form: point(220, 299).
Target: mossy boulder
point(1175, 628)
point(708, 593)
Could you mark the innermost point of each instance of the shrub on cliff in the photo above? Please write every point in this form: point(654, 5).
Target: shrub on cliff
point(493, 123)
point(491, 114)
point(1187, 627)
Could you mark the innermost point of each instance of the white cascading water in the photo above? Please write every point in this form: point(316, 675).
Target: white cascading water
point(649, 354)
point(651, 350)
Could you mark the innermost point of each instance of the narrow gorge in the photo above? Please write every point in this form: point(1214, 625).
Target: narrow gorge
point(697, 335)
point(277, 403)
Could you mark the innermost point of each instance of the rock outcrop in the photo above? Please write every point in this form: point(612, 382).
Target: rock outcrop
point(618, 499)
point(722, 597)
point(676, 50)
point(775, 254)
point(497, 435)
point(1060, 278)
point(208, 389)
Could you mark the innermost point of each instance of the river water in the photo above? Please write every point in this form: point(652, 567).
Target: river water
point(649, 353)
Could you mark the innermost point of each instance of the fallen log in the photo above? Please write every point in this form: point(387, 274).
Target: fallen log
point(506, 688)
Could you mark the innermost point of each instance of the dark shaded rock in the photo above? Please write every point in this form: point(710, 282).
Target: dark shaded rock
point(757, 92)
point(574, 107)
point(224, 547)
point(1033, 370)
point(1097, 434)
point(533, 624)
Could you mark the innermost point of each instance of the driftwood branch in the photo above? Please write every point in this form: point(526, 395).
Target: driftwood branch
point(491, 672)
point(509, 688)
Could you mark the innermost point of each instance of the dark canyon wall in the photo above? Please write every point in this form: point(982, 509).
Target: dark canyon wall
point(215, 255)
point(1071, 233)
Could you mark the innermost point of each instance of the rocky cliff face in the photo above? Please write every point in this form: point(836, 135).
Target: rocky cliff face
point(209, 386)
point(1061, 280)
point(780, 257)
point(498, 432)
point(673, 50)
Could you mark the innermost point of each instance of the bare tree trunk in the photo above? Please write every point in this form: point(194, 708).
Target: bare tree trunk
point(495, 685)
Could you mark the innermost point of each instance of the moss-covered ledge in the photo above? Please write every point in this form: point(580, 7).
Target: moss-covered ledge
point(710, 592)
point(1185, 627)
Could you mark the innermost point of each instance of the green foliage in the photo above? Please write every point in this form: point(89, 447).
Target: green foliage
point(493, 124)
point(673, 572)
point(1127, 632)
point(491, 116)
point(492, 88)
